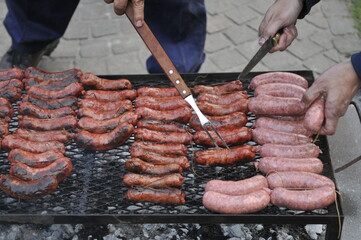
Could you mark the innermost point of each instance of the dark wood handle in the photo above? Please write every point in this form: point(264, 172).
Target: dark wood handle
point(161, 56)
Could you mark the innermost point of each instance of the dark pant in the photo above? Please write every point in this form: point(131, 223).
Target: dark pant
point(179, 25)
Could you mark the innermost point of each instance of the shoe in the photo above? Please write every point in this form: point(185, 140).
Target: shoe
point(14, 58)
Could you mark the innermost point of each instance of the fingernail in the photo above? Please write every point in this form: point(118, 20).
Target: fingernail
point(261, 41)
point(138, 23)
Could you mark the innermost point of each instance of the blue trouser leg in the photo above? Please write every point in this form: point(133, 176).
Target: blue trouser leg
point(180, 27)
point(32, 24)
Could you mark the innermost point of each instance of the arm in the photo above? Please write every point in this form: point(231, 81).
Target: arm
point(137, 5)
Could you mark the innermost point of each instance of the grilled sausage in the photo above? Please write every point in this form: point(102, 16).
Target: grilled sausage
point(104, 95)
point(219, 89)
point(103, 126)
point(36, 160)
point(162, 148)
point(298, 180)
point(158, 92)
point(104, 141)
point(104, 105)
point(4, 130)
point(264, 135)
point(229, 121)
point(61, 123)
point(163, 103)
point(73, 89)
point(303, 200)
point(222, 99)
point(281, 125)
point(32, 72)
point(169, 180)
point(275, 164)
point(268, 105)
point(27, 189)
point(89, 79)
point(11, 73)
point(139, 166)
point(44, 136)
point(12, 141)
point(51, 103)
point(296, 151)
point(217, 110)
point(240, 204)
point(60, 169)
point(11, 83)
point(167, 195)
point(161, 126)
point(280, 90)
point(50, 85)
point(11, 93)
point(180, 115)
point(144, 134)
point(278, 77)
point(314, 116)
point(157, 158)
point(6, 112)
point(222, 156)
point(27, 108)
point(239, 187)
point(103, 115)
point(235, 136)
point(4, 101)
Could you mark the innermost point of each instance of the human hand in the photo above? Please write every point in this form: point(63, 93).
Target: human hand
point(282, 15)
point(337, 86)
point(120, 6)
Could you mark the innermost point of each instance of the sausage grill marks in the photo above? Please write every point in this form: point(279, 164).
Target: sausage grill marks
point(89, 79)
point(13, 73)
point(32, 72)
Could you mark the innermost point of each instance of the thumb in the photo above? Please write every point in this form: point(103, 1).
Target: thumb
point(311, 95)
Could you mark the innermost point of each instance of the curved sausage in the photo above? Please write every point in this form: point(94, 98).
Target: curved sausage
point(89, 79)
point(105, 95)
point(314, 116)
point(27, 108)
point(180, 115)
point(51, 103)
point(12, 73)
point(4, 130)
point(6, 112)
point(73, 89)
point(281, 125)
point(264, 135)
point(27, 189)
point(239, 187)
point(166, 195)
point(278, 77)
point(61, 123)
point(296, 151)
point(275, 164)
point(240, 204)
point(223, 156)
point(161, 126)
point(51, 76)
point(144, 134)
point(161, 103)
point(219, 89)
point(44, 136)
point(50, 85)
point(11, 93)
point(139, 166)
point(158, 92)
point(222, 99)
point(104, 105)
point(235, 136)
point(217, 110)
point(169, 180)
point(104, 141)
point(229, 121)
point(162, 148)
point(11, 83)
point(103, 114)
point(303, 200)
point(280, 90)
point(36, 160)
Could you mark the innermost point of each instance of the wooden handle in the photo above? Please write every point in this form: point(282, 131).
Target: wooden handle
point(161, 56)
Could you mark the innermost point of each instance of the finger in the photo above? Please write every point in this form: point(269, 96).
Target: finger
point(292, 34)
point(120, 6)
point(281, 45)
point(108, 1)
point(311, 95)
point(138, 10)
point(267, 30)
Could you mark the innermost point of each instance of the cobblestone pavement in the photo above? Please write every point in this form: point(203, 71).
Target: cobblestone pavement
point(100, 42)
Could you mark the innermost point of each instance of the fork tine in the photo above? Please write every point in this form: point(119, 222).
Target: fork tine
point(209, 135)
point(220, 137)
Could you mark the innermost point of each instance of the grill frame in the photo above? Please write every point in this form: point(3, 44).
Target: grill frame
point(91, 204)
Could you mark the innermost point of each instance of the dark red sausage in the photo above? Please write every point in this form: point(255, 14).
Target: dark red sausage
point(12, 73)
point(44, 136)
point(103, 114)
point(11, 93)
point(222, 99)
point(167, 195)
point(74, 89)
point(161, 126)
point(139, 166)
point(6, 111)
point(278, 77)
point(50, 85)
point(104, 105)
point(265, 135)
point(11, 83)
point(27, 108)
point(235, 136)
point(217, 110)
point(169, 180)
point(61, 123)
point(229, 121)
point(31, 159)
point(144, 134)
point(51, 103)
point(163, 103)
point(219, 89)
point(180, 115)
point(51, 76)
point(104, 95)
point(4, 130)
point(296, 151)
point(162, 148)
point(275, 164)
point(89, 79)
point(158, 92)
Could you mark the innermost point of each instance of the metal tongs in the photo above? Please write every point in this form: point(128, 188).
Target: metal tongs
point(169, 69)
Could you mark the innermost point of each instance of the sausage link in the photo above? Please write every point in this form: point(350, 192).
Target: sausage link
point(235, 136)
point(51, 103)
point(74, 89)
point(6, 112)
point(314, 116)
point(180, 115)
point(297, 151)
point(264, 135)
point(11, 74)
point(139, 166)
point(50, 85)
point(222, 99)
point(268, 165)
point(89, 79)
point(281, 125)
point(280, 90)
point(161, 126)
point(219, 89)
point(103, 114)
point(161, 103)
point(167, 195)
point(61, 123)
point(44, 136)
point(162, 148)
point(27, 108)
point(158, 92)
point(278, 77)
point(32, 72)
point(144, 134)
point(36, 160)
point(11, 83)
point(104, 105)
point(217, 110)
point(229, 121)
point(105, 95)
point(169, 180)
point(11, 93)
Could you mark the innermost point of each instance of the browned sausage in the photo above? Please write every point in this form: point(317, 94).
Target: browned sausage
point(240, 204)
point(281, 125)
point(298, 180)
point(219, 89)
point(12, 141)
point(11, 93)
point(296, 151)
point(12, 73)
point(44, 136)
point(51, 76)
point(169, 180)
point(223, 156)
point(104, 105)
point(4, 101)
point(166, 195)
point(163, 103)
point(314, 116)
point(104, 141)
point(103, 126)
point(268, 105)
point(27, 189)
point(235, 136)
point(31, 159)
point(104, 95)
point(229, 121)
point(275, 164)
point(280, 90)
point(4, 130)
point(89, 79)
point(139, 166)
point(6, 112)
point(27, 108)
point(144, 134)
point(51, 103)
point(222, 99)
point(239, 187)
point(181, 114)
point(161, 126)
point(11, 83)
point(162, 148)
point(157, 158)
point(217, 110)
point(73, 89)
point(60, 169)
point(278, 77)
point(158, 92)
point(103, 114)
point(66, 122)
point(265, 135)
point(50, 85)
point(303, 200)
